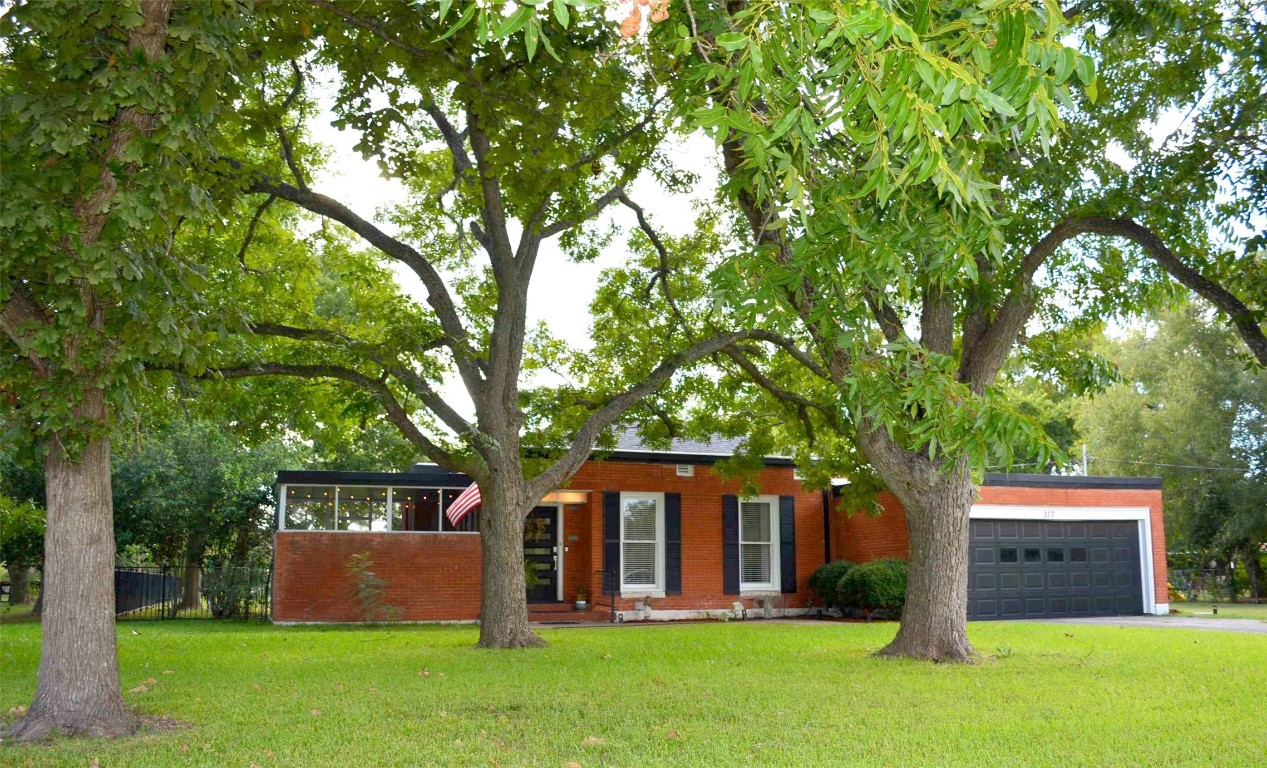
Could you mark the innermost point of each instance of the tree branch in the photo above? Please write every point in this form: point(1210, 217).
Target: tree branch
point(437, 291)
point(406, 376)
point(22, 320)
point(395, 411)
point(583, 441)
point(250, 233)
point(595, 208)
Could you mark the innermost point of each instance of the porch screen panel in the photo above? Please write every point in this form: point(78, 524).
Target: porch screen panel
point(639, 545)
point(309, 508)
point(362, 508)
point(755, 556)
point(415, 509)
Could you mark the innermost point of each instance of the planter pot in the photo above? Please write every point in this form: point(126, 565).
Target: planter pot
point(582, 605)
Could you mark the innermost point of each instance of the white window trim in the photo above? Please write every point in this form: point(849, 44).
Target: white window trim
point(774, 586)
point(642, 590)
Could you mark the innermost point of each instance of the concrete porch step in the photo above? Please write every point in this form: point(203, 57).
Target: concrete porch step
point(565, 613)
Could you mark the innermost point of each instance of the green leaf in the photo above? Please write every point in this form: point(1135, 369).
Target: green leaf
point(561, 13)
point(732, 41)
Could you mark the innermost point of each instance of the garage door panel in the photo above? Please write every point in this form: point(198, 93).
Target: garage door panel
point(1033, 568)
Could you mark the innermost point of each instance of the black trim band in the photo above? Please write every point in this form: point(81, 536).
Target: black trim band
point(1071, 481)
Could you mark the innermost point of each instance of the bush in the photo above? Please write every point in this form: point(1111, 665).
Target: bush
point(823, 582)
point(877, 584)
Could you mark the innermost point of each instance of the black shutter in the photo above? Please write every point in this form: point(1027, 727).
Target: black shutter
point(787, 542)
point(672, 543)
point(611, 542)
point(730, 544)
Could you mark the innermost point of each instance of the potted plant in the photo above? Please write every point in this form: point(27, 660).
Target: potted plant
point(582, 599)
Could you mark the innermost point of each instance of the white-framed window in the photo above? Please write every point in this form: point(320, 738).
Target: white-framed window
point(759, 544)
point(642, 543)
point(360, 509)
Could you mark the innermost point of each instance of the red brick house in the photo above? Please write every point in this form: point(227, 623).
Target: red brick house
point(660, 535)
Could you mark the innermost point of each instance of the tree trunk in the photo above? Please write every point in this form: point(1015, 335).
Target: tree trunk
point(504, 609)
point(191, 588)
point(19, 585)
point(1254, 569)
point(935, 617)
point(78, 691)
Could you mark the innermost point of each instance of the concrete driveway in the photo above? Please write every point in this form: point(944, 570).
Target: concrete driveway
point(1248, 626)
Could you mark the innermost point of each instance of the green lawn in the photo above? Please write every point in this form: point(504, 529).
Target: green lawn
point(708, 694)
point(1204, 610)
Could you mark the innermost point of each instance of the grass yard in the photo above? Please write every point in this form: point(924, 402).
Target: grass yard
point(708, 694)
point(1205, 610)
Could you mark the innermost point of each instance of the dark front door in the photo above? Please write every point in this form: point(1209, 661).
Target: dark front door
point(541, 554)
point(1022, 569)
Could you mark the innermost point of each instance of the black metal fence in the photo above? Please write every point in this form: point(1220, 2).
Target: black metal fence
point(211, 591)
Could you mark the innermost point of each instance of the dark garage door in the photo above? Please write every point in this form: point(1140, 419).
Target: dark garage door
point(1036, 569)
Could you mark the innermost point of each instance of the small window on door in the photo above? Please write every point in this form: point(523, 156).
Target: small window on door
point(1055, 554)
point(1033, 555)
point(1007, 555)
point(1077, 554)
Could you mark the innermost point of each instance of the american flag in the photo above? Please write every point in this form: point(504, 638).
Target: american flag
point(463, 504)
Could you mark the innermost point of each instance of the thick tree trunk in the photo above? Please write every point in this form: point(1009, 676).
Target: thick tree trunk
point(936, 503)
point(19, 585)
point(934, 619)
point(78, 691)
point(504, 610)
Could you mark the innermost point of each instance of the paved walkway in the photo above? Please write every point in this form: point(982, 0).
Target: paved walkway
point(1249, 626)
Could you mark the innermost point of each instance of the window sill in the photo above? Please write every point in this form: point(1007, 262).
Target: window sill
point(759, 592)
point(641, 593)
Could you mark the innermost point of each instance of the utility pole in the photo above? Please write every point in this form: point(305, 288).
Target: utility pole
point(1084, 459)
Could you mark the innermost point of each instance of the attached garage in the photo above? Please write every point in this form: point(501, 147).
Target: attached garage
point(1042, 546)
point(1031, 569)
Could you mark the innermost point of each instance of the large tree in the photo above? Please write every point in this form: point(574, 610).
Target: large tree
point(501, 150)
point(913, 222)
point(105, 134)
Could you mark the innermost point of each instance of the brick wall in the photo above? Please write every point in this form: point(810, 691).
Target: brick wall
point(861, 537)
point(429, 576)
point(702, 586)
point(436, 577)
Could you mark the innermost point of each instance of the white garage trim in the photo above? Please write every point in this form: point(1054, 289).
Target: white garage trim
point(1142, 515)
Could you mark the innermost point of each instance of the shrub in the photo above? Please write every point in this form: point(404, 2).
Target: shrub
point(231, 589)
point(371, 590)
point(823, 582)
point(877, 584)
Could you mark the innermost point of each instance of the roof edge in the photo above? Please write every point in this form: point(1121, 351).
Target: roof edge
point(1004, 479)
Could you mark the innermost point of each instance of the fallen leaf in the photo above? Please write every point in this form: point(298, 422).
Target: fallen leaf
point(256, 686)
point(593, 741)
point(270, 754)
point(607, 655)
point(674, 735)
point(94, 763)
point(491, 708)
point(316, 712)
point(151, 681)
point(572, 764)
point(424, 673)
point(18, 711)
point(139, 689)
point(255, 765)
point(135, 632)
point(483, 733)
point(457, 742)
point(184, 747)
point(168, 672)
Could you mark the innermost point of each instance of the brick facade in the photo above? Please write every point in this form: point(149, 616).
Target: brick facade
point(436, 576)
point(862, 537)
